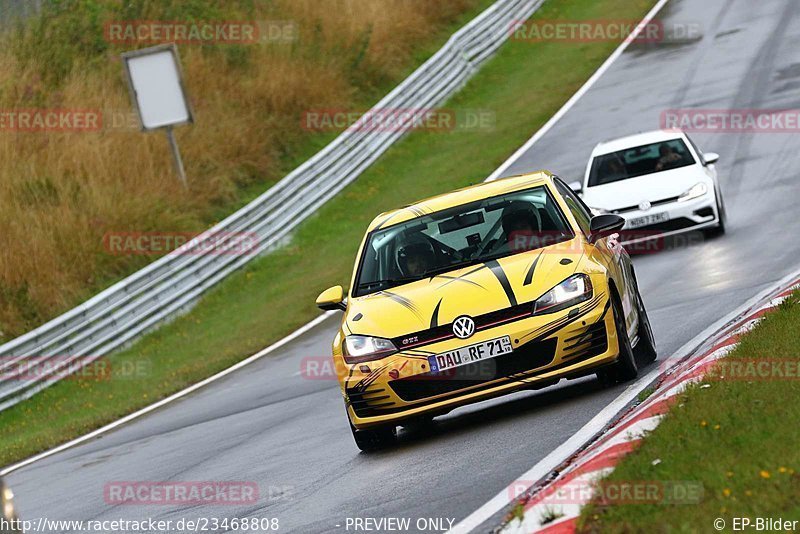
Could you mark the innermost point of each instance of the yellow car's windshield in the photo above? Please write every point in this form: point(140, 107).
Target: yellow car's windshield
point(460, 236)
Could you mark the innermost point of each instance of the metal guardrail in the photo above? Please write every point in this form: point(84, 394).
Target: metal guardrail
point(169, 285)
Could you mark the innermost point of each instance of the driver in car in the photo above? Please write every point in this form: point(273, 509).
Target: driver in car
point(521, 226)
point(415, 259)
point(668, 157)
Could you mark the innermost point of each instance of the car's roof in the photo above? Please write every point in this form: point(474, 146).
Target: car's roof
point(460, 196)
point(639, 139)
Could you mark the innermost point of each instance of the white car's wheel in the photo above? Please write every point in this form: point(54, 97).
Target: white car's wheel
point(722, 216)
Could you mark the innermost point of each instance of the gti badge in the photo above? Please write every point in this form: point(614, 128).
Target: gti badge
point(463, 327)
point(645, 205)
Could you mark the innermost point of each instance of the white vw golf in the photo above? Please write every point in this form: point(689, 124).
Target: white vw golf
point(660, 182)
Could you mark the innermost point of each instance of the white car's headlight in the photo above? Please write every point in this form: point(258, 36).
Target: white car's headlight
point(359, 349)
point(598, 211)
point(575, 289)
point(696, 191)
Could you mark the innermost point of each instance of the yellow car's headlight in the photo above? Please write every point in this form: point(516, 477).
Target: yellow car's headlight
point(359, 349)
point(575, 289)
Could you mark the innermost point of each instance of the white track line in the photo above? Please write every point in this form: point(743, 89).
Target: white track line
point(144, 411)
point(577, 96)
point(547, 464)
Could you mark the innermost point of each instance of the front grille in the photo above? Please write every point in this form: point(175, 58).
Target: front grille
point(487, 320)
point(652, 204)
point(593, 341)
point(525, 358)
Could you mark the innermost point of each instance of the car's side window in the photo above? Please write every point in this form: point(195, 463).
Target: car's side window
point(576, 206)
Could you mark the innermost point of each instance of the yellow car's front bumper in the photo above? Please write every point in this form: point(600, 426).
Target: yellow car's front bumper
point(546, 348)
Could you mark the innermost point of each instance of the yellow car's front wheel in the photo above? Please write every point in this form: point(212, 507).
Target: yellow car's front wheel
point(645, 348)
point(625, 367)
point(371, 439)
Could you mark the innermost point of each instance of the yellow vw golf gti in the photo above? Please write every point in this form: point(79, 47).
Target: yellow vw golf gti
point(495, 288)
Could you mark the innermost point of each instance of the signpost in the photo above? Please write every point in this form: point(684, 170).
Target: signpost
point(158, 95)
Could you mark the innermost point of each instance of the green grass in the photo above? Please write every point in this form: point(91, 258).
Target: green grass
point(737, 438)
point(523, 86)
point(645, 393)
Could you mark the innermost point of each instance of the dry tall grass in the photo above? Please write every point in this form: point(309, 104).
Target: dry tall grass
point(60, 192)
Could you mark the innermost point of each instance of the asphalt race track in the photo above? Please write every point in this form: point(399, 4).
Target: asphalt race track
point(270, 425)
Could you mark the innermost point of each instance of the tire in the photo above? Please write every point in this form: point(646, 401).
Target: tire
point(645, 350)
point(625, 368)
point(373, 439)
point(722, 216)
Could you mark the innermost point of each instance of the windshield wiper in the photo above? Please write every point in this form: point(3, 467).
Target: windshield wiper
point(390, 281)
point(444, 269)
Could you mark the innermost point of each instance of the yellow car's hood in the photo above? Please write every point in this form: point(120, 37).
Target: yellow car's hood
point(473, 290)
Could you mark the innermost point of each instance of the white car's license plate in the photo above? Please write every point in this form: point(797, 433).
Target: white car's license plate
point(469, 354)
point(647, 220)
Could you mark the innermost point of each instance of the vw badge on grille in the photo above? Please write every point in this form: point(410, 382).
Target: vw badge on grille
point(463, 327)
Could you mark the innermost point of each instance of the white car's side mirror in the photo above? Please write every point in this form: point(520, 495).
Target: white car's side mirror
point(710, 157)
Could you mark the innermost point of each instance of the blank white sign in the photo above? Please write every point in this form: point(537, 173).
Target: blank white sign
point(157, 85)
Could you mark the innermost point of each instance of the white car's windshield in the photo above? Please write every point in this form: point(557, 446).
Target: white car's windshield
point(638, 161)
point(460, 236)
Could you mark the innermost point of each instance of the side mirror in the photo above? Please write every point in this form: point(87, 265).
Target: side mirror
point(710, 157)
point(603, 225)
point(577, 187)
point(331, 299)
